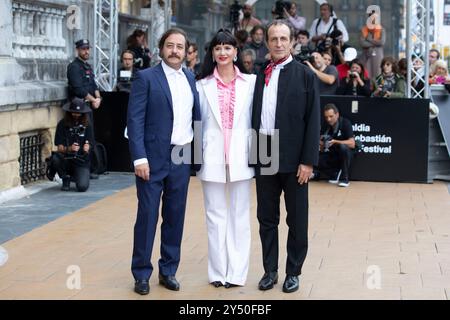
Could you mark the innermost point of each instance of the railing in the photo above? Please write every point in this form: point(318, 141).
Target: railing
point(32, 167)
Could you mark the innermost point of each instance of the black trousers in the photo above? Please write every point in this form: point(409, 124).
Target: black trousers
point(72, 170)
point(268, 192)
point(338, 158)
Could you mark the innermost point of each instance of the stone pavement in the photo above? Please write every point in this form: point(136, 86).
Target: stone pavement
point(368, 241)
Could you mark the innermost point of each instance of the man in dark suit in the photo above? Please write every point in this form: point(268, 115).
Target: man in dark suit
point(286, 116)
point(162, 108)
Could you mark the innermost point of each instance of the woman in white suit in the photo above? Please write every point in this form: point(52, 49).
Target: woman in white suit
point(226, 95)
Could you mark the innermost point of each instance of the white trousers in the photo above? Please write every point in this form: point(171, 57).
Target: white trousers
point(227, 208)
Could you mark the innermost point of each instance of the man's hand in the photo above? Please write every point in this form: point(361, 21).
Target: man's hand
point(310, 65)
point(304, 173)
point(143, 171)
point(96, 103)
point(86, 147)
point(74, 147)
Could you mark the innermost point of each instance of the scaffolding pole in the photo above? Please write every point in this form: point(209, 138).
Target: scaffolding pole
point(417, 47)
point(106, 29)
point(161, 21)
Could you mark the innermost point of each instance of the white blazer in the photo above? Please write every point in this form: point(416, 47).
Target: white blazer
point(213, 166)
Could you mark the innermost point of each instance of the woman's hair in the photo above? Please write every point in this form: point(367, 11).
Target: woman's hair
point(69, 121)
point(132, 39)
point(223, 36)
point(361, 65)
point(439, 64)
point(390, 60)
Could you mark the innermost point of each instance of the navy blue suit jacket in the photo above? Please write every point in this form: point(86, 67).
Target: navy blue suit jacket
point(150, 116)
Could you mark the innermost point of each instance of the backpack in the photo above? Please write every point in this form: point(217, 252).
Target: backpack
point(99, 159)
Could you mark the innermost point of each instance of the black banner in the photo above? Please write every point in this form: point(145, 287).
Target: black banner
point(394, 135)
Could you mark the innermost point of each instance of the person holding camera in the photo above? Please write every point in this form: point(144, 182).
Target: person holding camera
point(137, 43)
point(389, 84)
point(322, 27)
point(337, 145)
point(355, 84)
point(72, 138)
point(126, 73)
point(328, 75)
point(302, 48)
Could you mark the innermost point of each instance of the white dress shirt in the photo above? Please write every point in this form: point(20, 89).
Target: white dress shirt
point(269, 103)
point(182, 102)
point(324, 27)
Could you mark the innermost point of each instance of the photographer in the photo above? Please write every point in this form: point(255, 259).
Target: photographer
point(126, 73)
point(389, 84)
point(290, 13)
point(327, 75)
point(337, 145)
point(72, 138)
point(322, 28)
point(137, 43)
point(355, 84)
point(302, 48)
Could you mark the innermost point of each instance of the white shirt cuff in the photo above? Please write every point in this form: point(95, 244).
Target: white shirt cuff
point(140, 161)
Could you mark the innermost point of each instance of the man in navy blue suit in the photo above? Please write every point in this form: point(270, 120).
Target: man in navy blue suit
point(162, 109)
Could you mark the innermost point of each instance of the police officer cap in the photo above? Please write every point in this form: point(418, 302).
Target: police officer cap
point(83, 43)
point(77, 105)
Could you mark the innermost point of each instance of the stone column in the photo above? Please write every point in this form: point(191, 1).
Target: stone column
point(6, 28)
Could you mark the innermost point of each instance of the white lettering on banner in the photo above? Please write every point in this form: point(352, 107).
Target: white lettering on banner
point(377, 139)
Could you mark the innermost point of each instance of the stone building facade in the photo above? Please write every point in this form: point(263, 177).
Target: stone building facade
point(37, 43)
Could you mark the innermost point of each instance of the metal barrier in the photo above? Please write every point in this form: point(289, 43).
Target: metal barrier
point(32, 166)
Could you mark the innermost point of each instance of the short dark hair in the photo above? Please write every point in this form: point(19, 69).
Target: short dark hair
point(279, 22)
point(304, 33)
point(330, 106)
point(170, 32)
point(124, 52)
point(194, 46)
point(256, 28)
point(437, 51)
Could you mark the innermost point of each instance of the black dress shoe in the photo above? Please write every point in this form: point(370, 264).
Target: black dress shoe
point(169, 282)
point(230, 285)
point(142, 287)
point(290, 284)
point(268, 280)
point(217, 284)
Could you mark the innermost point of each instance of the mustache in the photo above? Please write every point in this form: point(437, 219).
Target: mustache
point(174, 56)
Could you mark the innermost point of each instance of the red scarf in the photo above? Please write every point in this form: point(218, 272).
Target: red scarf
point(269, 69)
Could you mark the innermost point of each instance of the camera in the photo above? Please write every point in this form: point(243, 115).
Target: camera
point(279, 9)
point(326, 138)
point(333, 39)
point(303, 55)
point(77, 133)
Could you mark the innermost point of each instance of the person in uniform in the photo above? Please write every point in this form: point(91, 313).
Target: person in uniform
point(81, 80)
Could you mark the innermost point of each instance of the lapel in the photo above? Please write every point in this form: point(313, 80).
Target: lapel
point(241, 98)
point(283, 87)
point(258, 99)
point(211, 93)
point(161, 77)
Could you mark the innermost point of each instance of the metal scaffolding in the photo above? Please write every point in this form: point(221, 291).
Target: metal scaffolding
point(106, 29)
point(417, 47)
point(161, 20)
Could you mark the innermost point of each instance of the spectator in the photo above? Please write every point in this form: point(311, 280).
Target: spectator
point(439, 73)
point(355, 84)
point(302, 46)
point(327, 58)
point(372, 40)
point(192, 61)
point(126, 73)
point(327, 75)
point(322, 27)
point(389, 84)
point(335, 46)
point(337, 145)
point(137, 43)
point(248, 57)
point(290, 12)
point(350, 54)
point(258, 46)
point(248, 22)
point(403, 68)
point(434, 56)
point(242, 38)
